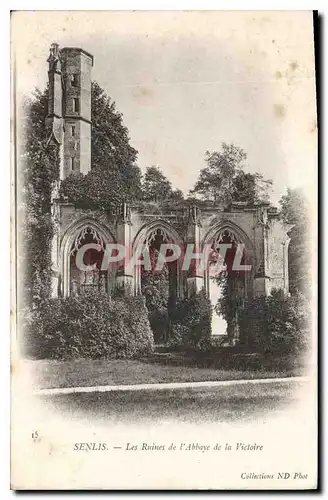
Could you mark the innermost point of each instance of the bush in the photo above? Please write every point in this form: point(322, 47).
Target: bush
point(275, 323)
point(93, 325)
point(191, 323)
point(155, 289)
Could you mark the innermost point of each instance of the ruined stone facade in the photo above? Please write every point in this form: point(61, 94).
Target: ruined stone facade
point(258, 227)
point(266, 242)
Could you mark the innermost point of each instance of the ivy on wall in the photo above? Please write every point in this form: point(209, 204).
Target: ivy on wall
point(38, 172)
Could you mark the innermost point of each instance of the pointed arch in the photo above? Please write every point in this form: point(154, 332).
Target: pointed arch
point(241, 237)
point(236, 234)
point(145, 235)
point(70, 239)
point(148, 229)
point(227, 228)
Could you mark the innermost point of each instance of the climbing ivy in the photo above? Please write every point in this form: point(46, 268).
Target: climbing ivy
point(38, 171)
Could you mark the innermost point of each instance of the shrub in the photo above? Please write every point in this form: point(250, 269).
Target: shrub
point(191, 322)
point(93, 325)
point(155, 288)
point(277, 322)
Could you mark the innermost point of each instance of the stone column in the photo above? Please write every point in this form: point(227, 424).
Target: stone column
point(124, 278)
point(278, 254)
point(55, 257)
point(195, 277)
point(285, 245)
point(261, 276)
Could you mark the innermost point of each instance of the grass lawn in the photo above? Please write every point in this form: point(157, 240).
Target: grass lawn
point(196, 405)
point(86, 372)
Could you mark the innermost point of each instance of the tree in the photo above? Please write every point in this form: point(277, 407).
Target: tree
point(250, 188)
point(276, 323)
point(39, 169)
point(157, 188)
point(155, 288)
point(191, 322)
point(110, 142)
point(114, 176)
point(215, 180)
point(223, 180)
point(177, 196)
point(295, 210)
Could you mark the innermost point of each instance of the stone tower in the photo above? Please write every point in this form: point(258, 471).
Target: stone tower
point(69, 108)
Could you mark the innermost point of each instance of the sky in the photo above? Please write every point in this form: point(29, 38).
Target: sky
point(187, 81)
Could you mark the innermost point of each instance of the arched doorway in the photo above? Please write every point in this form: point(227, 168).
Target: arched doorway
point(228, 278)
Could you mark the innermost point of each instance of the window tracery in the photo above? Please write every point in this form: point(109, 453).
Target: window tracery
point(92, 276)
point(87, 235)
point(158, 233)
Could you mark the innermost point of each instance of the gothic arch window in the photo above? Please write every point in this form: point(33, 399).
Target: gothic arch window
point(157, 236)
point(152, 236)
point(227, 286)
point(92, 277)
point(154, 240)
point(227, 234)
point(228, 237)
point(159, 287)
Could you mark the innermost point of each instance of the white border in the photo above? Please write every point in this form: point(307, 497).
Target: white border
point(5, 166)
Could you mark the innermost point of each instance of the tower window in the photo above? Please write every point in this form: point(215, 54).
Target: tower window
point(75, 80)
point(72, 164)
point(73, 130)
point(76, 105)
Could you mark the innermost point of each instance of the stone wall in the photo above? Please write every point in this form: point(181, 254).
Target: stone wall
point(258, 227)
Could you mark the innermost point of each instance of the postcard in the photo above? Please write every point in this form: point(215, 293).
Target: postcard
point(164, 250)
